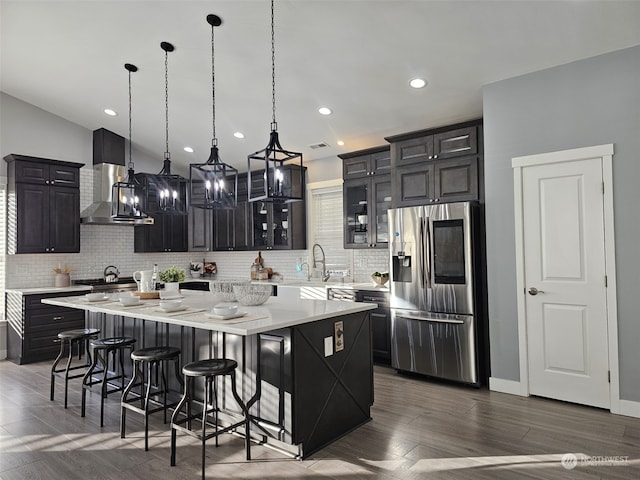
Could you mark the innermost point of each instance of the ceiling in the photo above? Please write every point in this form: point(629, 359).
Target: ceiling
point(355, 57)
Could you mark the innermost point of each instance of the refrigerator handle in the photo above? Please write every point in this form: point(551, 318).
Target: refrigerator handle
point(426, 242)
point(420, 253)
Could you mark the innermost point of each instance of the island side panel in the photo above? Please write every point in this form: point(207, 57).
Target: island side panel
point(332, 394)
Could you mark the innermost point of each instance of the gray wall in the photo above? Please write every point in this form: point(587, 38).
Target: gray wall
point(589, 102)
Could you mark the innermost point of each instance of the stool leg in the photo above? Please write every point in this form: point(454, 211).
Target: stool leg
point(146, 405)
point(103, 385)
point(53, 368)
point(176, 412)
point(247, 434)
point(66, 373)
point(215, 406)
point(207, 386)
point(123, 414)
point(85, 385)
point(163, 377)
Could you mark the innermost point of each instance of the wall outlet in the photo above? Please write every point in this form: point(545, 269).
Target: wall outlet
point(328, 346)
point(338, 334)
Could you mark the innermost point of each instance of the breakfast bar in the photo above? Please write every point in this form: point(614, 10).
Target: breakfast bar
point(305, 366)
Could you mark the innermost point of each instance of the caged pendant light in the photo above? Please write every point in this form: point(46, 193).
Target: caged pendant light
point(213, 184)
point(169, 185)
point(125, 203)
point(275, 174)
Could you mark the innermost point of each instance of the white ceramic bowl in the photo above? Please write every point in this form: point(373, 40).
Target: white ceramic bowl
point(224, 310)
point(170, 305)
point(94, 297)
point(252, 294)
point(129, 300)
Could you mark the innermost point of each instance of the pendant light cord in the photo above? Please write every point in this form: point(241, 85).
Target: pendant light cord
point(166, 101)
point(274, 125)
point(214, 140)
point(130, 161)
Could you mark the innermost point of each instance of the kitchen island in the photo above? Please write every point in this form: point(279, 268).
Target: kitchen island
point(305, 366)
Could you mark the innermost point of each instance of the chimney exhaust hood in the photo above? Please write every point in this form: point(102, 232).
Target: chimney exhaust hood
point(108, 168)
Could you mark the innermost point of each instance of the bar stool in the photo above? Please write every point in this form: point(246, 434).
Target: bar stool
point(68, 339)
point(153, 357)
point(209, 370)
point(102, 347)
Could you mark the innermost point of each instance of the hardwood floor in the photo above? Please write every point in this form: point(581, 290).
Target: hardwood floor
point(419, 430)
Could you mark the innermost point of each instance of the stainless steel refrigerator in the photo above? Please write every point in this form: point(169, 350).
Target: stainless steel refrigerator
point(433, 294)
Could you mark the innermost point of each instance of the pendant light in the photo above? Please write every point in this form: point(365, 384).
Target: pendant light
point(125, 195)
point(213, 184)
point(275, 174)
point(170, 186)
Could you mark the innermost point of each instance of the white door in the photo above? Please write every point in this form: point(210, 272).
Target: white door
point(564, 260)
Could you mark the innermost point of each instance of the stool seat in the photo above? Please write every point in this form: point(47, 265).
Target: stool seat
point(113, 342)
point(102, 348)
point(150, 354)
point(78, 333)
point(211, 367)
point(68, 339)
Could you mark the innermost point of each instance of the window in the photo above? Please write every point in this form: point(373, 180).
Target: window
point(326, 224)
point(3, 243)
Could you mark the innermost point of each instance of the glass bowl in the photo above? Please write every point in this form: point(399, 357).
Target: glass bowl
point(252, 294)
point(223, 289)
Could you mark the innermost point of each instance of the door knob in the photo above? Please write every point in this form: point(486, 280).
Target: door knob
point(534, 291)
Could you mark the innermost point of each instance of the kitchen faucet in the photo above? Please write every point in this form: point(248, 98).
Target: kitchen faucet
point(325, 273)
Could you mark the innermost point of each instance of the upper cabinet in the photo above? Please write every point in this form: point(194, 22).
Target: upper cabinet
point(44, 205)
point(367, 197)
point(438, 165)
point(230, 225)
point(169, 233)
point(365, 163)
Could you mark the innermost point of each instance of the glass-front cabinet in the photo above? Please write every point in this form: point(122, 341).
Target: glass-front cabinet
point(366, 202)
point(271, 225)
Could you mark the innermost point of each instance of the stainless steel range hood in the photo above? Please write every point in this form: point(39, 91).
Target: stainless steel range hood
point(99, 212)
point(108, 168)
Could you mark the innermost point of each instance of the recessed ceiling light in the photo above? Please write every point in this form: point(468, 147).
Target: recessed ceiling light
point(238, 135)
point(325, 111)
point(111, 113)
point(340, 143)
point(417, 83)
point(188, 149)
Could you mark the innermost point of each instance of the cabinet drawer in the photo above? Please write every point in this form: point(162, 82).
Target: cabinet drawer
point(30, 172)
point(34, 301)
point(49, 320)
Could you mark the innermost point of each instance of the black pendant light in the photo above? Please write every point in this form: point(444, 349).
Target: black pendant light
point(171, 197)
point(125, 195)
point(275, 174)
point(213, 184)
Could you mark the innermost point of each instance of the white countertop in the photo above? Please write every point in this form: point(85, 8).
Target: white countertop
point(276, 312)
point(38, 290)
point(302, 283)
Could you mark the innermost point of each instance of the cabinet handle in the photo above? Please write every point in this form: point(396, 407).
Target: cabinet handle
point(58, 318)
point(430, 157)
point(435, 156)
point(52, 249)
point(46, 249)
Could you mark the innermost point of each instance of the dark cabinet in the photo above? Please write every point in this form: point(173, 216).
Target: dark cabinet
point(452, 180)
point(45, 217)
point(34, 329)
point(200, 229)
point(367, 197)
point(441, 165)
point(364, 163)
point(366, 202)
point(277, 226)
point(230, 226)
point(167, 234)
point(170, 231)
point(380, 324)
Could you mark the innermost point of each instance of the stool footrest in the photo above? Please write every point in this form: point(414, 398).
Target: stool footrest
point(177, 425)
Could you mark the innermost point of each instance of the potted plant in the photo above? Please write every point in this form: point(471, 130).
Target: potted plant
point(172, 276)
point(195, 268)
